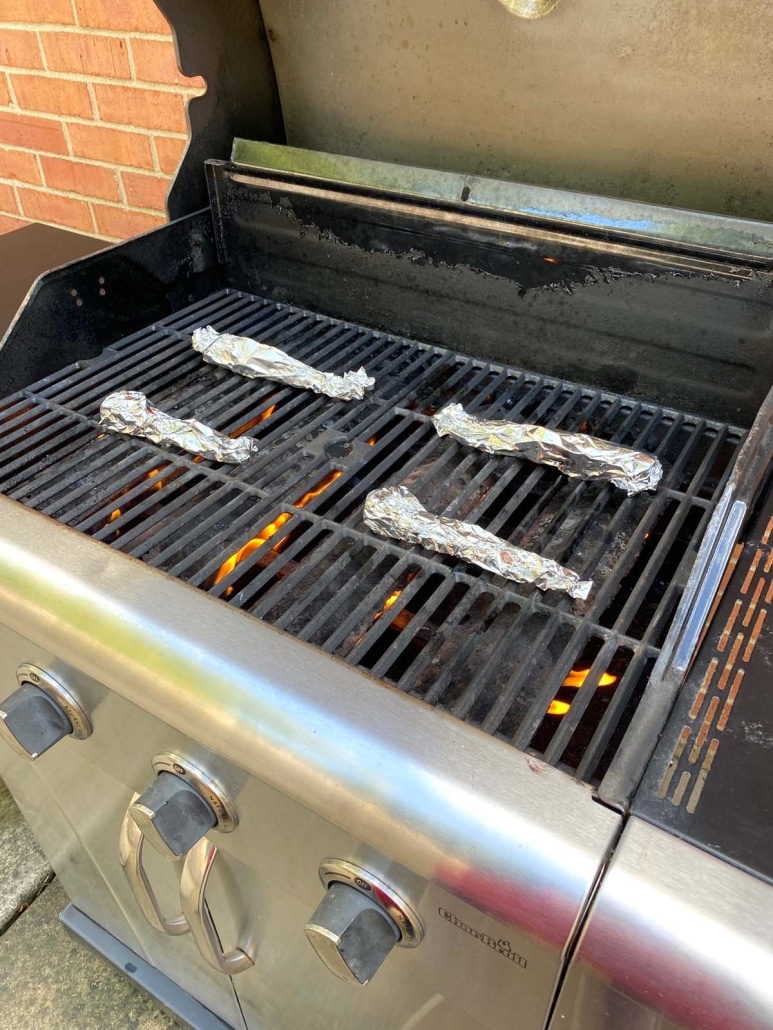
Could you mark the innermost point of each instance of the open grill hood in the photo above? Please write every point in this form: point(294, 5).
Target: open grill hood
point(653, 102)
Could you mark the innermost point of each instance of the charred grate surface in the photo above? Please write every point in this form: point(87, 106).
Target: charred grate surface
point(282, 537)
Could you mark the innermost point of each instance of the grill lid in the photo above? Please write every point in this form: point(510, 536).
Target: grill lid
point(656, 102)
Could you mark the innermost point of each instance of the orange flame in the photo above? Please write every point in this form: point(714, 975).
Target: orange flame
point(558, 708)
point(271, 529)
point(574, 681)
point(389, 602)
point(252, 545)
point(577, 678)
point(253, 422)
point(402, 618)
point(321, 486)
point(116, 514)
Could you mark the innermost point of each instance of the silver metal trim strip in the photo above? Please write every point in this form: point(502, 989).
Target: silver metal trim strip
point(700, 231)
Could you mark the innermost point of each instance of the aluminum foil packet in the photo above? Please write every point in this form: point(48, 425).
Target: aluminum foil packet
point(128, 411)
point(394, 511)
point(263, 361)
point(575, 454)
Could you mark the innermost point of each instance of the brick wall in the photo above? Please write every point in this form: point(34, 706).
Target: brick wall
point(92, 114)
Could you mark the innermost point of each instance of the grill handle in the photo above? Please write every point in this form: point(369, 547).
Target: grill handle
point(193, 889)
point(130, 845)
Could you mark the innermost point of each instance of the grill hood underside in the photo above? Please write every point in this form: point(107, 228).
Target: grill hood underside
point(659, 103)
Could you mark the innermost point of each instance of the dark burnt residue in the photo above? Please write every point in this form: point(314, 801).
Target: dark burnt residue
point(678, 329)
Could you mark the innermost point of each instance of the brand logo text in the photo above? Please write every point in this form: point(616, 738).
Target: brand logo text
point(502, 947)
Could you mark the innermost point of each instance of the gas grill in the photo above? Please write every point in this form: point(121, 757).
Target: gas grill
point(250, 715)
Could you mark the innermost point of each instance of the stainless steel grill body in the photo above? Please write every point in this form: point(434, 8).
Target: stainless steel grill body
point(380, 779)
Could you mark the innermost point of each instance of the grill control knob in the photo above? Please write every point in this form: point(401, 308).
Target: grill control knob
point(40, 713)
point(172, 815)
point(32, 722)
point(351, 933)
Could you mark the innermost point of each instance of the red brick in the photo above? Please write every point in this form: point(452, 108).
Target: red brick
point(5, 96)
point(24, 130)
point(43, 12)
point(78, 177)
point(117, 221)
point(17, 164)
point(170, 152)
point(116, 146)
point(155, 61)
point(145, 190)
point(8, 223)
point(149, 108)
point(59, 96)
point(88, 55)
point(42, 206)
point(8, 200)
point(19, 47)
point(124, 15)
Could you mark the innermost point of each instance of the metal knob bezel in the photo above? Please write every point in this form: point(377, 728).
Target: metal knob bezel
point(80, 722)
point(209, 789)
point(338, 870)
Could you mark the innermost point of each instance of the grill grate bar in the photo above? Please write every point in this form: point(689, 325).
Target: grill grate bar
point(538, 708)
point(97, 452)
point(613, 715)
point(404, 638)
point(199, 530)
point(299, 527)
point(461, 611)
point(102, 525)
point(457, 662)
point(370, 603)
point(53, 448)
point(149, 536)
point(326, 549)
point(40, 455)
point(320, 584)
point(122, 470)
point(502, 657)
point(377, 627)
point(579, 705)
point(38, 423)
point(517, 681)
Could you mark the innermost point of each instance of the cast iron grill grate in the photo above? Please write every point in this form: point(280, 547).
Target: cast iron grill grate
point(282, 537)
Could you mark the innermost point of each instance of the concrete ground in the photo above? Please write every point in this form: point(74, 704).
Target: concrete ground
point(47, 980)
